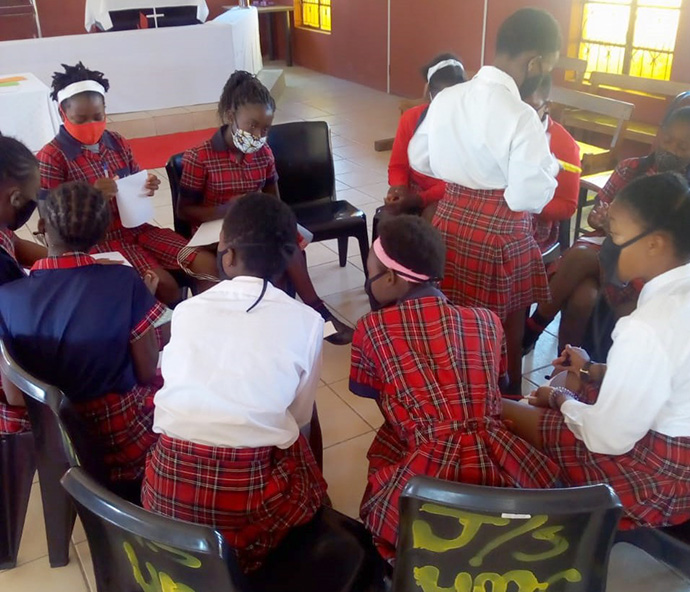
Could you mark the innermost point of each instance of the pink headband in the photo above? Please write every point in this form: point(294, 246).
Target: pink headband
point(408, 274)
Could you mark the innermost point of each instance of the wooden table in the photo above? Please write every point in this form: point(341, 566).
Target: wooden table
point(272, 10)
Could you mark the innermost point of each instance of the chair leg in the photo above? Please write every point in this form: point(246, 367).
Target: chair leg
point(363, 239)
point(17, 468)
point(316, 438)
point(342, 249)
point(582, 199)
point(59, 513)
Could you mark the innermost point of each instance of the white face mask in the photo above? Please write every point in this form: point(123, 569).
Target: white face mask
point(246, 142)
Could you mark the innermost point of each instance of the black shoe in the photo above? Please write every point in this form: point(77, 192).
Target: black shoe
point(343, 334)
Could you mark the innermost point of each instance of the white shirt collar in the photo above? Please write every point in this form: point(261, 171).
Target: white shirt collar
point(494, 75)
point(663, 281)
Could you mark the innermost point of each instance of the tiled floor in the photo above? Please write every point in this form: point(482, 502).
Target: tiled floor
point(357, 116)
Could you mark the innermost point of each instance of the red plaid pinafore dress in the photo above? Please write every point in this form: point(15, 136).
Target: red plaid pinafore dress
point(492, 259)
point(434, 368)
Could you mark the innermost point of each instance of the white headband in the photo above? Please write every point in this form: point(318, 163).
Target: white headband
point(79, 87)
point(443, 64)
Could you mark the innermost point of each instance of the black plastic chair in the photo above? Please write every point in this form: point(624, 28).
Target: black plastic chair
point(453, 533)
point(306, 179)
point(670, 545)
point(61, 441)
point(131, 546)
point(42, 403)
point(17, 468)
point(174, 170)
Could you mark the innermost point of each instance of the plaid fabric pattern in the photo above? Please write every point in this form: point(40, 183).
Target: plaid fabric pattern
point(492, 260)
point(652, 480)
point(7, 241)
point(212, 174)
point(626, 171)
point(435, 368)
point(70, 260)
point(13, 420)
point(545, 232)
point(254, 496)
point(146, 246)
point(123, 424)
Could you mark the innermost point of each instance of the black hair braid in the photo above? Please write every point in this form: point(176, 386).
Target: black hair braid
point(263, 231)
point(414, 243)
point(662, 201)
point(74, 74)
point(17, 162)
point(79, 214)
point(243, 88)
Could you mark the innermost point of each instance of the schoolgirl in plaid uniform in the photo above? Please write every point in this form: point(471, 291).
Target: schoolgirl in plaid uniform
point(490, 148)
point(410, 191)
point(231, 454)
point(237, 161)
point(85, 151)
point(433, 368)
point(631, 426)
point(19, 185)
point(576, 275)
point(87, 328)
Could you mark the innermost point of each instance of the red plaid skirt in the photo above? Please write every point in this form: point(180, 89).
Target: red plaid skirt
point(480, 451)
point(13, 420)
point(123, 425)
point(254, 496)
point(148, 247)
point(652, 480)
point(492, 259)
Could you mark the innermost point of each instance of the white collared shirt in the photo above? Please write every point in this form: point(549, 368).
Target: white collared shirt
point(481, 135)
point(236, 378)
point(647, 381)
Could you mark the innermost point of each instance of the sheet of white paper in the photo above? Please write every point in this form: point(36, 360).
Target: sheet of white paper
point(113, 256)
point(136, 208)
point(306, 234)
point(207, 234)
point(595, 240)
point(329, 329)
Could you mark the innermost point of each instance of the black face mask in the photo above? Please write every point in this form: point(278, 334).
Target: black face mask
point(22, 215)
point(610, 253)
point(375, 304)
point(666, 162)
point(219, 264)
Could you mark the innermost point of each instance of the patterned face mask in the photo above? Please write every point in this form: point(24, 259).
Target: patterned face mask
point(246, 142)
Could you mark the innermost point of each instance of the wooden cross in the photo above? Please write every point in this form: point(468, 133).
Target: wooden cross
point(155, 16)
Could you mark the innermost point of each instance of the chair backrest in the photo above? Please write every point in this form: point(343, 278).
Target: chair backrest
point(458, 536)
point(664, 88)
point(575, 99)
point(575, 65)
point(304, 161)
point(61, 439)
point(174, 170)
point(133, 549)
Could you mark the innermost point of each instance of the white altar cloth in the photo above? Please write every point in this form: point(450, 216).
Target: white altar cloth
point(150, 69)
point(27, 112)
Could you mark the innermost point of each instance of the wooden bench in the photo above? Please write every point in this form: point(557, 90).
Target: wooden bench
point(575, 65)
point(632, 85)
point(568, 102)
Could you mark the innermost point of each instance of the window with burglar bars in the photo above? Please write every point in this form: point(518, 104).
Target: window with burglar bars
point(634, 37)
point(313, 14)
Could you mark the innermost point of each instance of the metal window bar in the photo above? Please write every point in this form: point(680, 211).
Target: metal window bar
point(629, 48)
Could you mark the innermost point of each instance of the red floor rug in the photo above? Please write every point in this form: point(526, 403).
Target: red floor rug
point(153, 152)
